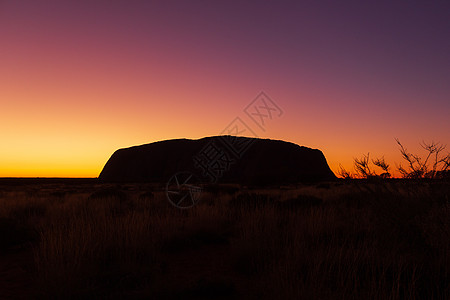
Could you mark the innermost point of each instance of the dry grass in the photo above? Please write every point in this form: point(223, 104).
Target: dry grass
point(354, 240)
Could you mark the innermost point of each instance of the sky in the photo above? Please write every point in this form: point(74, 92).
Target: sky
point(81, 79)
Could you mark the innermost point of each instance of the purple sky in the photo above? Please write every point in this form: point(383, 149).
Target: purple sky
point(350, 76)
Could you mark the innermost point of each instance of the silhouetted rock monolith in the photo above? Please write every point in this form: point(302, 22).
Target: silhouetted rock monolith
point(221, 159)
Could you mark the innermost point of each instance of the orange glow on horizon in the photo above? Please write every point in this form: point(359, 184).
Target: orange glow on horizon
point(79, 80)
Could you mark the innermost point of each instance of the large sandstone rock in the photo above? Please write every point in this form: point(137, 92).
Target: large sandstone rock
point(219, 159)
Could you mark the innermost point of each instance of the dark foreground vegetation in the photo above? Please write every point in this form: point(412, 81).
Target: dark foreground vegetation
point(349, 239)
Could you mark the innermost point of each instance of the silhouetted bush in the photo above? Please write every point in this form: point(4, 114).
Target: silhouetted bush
point(435, 164)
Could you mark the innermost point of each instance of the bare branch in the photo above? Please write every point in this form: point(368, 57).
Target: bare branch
point(362, 167)
point(344, 173)
point(424, 168)
point(381, 162)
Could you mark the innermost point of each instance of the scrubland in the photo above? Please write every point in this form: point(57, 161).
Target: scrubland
point(349, 239)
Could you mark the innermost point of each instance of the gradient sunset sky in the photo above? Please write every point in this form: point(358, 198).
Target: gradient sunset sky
point(80, 79)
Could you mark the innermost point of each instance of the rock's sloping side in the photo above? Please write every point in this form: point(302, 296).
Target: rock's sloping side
point(264, 161)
